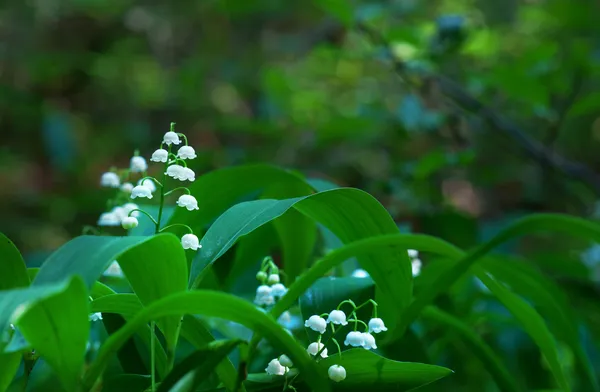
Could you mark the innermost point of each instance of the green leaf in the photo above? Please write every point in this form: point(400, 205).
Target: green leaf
point(126, 383)
point(14, 272)
point(9, 364)
point(368, 371)
point(350, 214)
point(482, 350)
point(532, 323)
point(58, 328)
point(202, 363)
point(211, 304)
point(154, 266)
point(340, 9)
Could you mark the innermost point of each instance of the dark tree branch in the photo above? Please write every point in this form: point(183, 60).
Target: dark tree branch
point(496, 121)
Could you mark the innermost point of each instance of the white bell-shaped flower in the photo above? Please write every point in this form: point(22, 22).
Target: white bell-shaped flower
point(188, 201)
point(190, 241)
point(273, 278)
point(412, 253)
point(110, 179)
point(284, 360)
point(127, 187)
point(376, 325)
point(337, 317)
point(141, 191)
point(263, 290)
point(369, 341)
point(160, 155)
point(278, 290)
point(129, 209)
point(274, 368)
point(119, 212)
point(171, 138)
point(285, 319)
point(114, 270)
point(148, 183)
point(175, 171)
point(316, 323)
point(129, 222)
point(188, 174)
point(315, 347)
point(354, 339)
point(336, 373)
point(264, 296)
point(416, 267)
point(138, 164)
point(109, 219)
point(95, 316)
point(360, 273)
point(186, 152)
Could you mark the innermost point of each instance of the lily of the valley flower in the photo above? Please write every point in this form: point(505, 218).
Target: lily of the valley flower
point(141, 191)
point(171, 138)
point(190, 241)
point(160, 155)
point(109, 219)
point(114, 270)
point(188, 174)
point(273, 278)
point(188, 201)
point(278, 290)
point(315, 347)
point(110, 179)
point(316, 323)
point(148, 183)
point(416, 267)
point(376, 325)
point(175, 171)
point(129, 207)
point(275, 368)
point(127, 187)
point(412, 253)
point(95, 316)
point(337, 317)
point(284, 360)
point(368, 341)
point(129, 222)
point(138, 164)
point(360, 273)
point(354, 339)
point(186, 152)
point(336, 373)
point(264, 296)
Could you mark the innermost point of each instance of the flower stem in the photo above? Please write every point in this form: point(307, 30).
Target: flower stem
point(150, 178)
point(184, 138)
point(177, 224)
point(152, 359)
point(145, 213)
point(187, 191)
point(162, 193)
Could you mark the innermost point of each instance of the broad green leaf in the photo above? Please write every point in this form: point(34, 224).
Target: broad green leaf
point(321, 185)
point(154, 266)
point(58, 328)
point(14, 272)
point(211, 304)
point(368, 371)
point(220, 189)
point(481, 349)
point(202, 362)
point(9, 364)
point(350, 214)
point(532, 323)
point(195, 331)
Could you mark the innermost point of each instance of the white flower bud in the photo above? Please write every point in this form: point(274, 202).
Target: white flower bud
point(336, 373)
point(273, 278)
point(264, 296)
point(285, 318)
point(188, 201)
point(275, 368)
point(190, 241)
point(186, 152)
point(416, 267)
point(360, 273)
point(127, 187)
point(129, 222)
point(376, 325)
point(141, 191)
point(284, 360)
point(337, 317)
point(138, 164)
point(261, 276)
point(110, 180)
point(369, 341)
point(278, 290)
point(354, 339)
point(95, 316)
point(413, 253)
point(160, 155)
point(114, 270)
point(171, 138)
point(315, 347)
point(316, 323)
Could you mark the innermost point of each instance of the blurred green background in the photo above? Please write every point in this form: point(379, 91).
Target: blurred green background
point(83, 83)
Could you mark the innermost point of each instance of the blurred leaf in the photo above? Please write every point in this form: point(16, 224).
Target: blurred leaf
point(58, 327)
point(366, 370)
point(211, 304)
point(589, 104)
point(9, 364)
point(14, 272)
point(126, 383)
point(340, 9)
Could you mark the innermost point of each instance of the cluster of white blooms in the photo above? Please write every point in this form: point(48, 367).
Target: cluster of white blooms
point(414, 259)
point(279, 366)
point(271, 289)
point(117, 214)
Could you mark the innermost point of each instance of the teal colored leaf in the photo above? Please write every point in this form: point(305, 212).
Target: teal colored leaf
point(154, 266)
point(350, 214)
point(368, 371)
point(14, 272)
point(211, 304)
point(58, 327)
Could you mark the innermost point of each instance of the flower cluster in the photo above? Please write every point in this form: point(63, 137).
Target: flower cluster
point(271, 289)
point(414, 259)
point(175, 167)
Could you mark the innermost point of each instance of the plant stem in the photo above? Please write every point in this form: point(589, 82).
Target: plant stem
point(162, 196)
point(187, 191)
point(152, 352)
point(145, 213)
point(177, 224)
